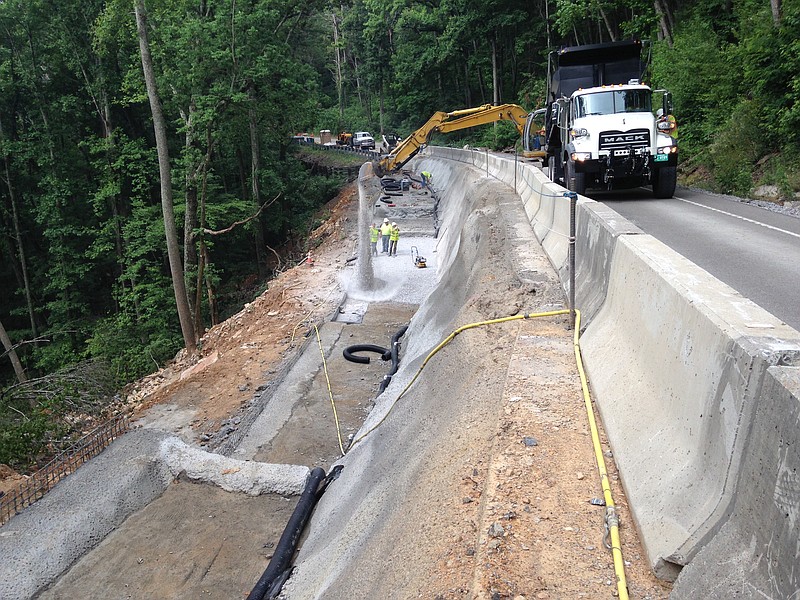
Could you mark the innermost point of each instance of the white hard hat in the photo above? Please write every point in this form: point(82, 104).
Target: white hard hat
point(394, 224)
point(386, 220)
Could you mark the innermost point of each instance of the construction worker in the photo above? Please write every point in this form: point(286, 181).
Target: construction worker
point(426, 179)
point(394, 236)
point(374, 233)
point(670, 120)
point(386, 230)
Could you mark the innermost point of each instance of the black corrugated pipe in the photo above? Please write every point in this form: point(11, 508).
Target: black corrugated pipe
point(277, 572)
point(395, 358)
point(349, 353)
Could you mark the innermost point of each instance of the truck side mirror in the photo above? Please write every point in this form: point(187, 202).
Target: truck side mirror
point(667, 103)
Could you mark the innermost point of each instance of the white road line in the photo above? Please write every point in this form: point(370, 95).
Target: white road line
point(797, 235)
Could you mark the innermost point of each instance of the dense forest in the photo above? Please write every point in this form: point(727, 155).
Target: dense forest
point(149, 187)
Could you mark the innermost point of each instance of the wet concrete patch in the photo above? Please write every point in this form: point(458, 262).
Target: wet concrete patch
point(195, 541)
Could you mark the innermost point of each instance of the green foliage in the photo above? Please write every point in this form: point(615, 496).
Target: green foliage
point(134, 348)
point(495, 136)
point(43, 415)
point(737, 146)
point(22, 439)
point(703, 91)
point(781, 170)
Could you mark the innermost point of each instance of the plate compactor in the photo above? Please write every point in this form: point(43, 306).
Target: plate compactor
point(419, 261)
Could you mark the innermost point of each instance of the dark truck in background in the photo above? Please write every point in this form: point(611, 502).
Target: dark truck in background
point(600, 127)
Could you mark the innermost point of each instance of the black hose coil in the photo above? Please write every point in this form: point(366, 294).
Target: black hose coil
point(385, 353)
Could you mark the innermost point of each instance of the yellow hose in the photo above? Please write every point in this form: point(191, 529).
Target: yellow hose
point(330, 392)
point(612, 520)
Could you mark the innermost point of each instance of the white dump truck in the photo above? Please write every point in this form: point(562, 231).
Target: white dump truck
point(604, 128)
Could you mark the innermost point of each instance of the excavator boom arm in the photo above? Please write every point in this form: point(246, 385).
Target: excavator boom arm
point(452, 121)
point(489, 114)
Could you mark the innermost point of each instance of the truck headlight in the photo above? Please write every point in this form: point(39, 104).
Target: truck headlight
point(580, 156)
point(579, 132)
point(668, 150)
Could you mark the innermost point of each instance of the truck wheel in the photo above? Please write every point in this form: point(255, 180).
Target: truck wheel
point(576, 182)
point(664, 182)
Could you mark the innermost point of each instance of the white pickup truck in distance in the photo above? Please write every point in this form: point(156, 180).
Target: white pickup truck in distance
point(363, 140)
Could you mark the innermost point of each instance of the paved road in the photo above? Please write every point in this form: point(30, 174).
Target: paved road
point(755, 251)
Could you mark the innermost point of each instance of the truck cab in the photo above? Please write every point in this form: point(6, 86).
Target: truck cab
point(612, 140)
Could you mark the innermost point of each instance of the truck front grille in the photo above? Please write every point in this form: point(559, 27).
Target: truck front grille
point(620, 143)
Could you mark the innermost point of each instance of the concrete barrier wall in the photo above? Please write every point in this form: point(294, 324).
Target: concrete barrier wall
point(762, 531)
point(679, 365)
point(677, 361)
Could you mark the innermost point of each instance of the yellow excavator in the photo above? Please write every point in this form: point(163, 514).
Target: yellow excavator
point(529, 126)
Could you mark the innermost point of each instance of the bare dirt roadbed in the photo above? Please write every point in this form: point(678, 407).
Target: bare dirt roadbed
point(516, 522)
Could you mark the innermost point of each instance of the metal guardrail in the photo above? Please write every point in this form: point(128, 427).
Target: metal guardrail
point(62, 465)
point(340, 148)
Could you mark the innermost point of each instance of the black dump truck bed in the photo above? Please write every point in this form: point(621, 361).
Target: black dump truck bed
point(578, 67)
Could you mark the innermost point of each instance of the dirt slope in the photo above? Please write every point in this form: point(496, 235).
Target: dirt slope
point(241, 355)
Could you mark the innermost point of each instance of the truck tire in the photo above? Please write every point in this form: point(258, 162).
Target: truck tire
point(664, 182)
point(576, 182)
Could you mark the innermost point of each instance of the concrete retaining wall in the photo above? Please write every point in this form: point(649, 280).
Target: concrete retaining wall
point(683, 370)
point(762, 531)
point(677, 362)
point(40, 543)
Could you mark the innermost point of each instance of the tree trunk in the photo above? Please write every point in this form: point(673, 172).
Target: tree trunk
point(547, 21)
point(665, 30)
point(481, 86)
point(23, 261)
point(380, 110)
point(255, 185)
point(467, 91)
point(495, 75)
point(776, 7)
point(159, 127)
point(190, 216)
point(611, 34)
point(103, 107)
point(359, 91)
point(212, 295)
point(198, 299)
point(338, 74)
point(12, 355)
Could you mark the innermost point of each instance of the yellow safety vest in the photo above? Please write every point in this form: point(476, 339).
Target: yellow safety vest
point(386, 229)
point(373, 234)
point(395, 234)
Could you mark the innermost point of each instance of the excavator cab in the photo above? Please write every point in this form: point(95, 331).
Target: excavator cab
point(533, 138)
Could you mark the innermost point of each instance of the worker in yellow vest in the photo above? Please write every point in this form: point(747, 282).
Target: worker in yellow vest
point(374, 233)
point(426, 179)
point(386, 229)
point(394, 236)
